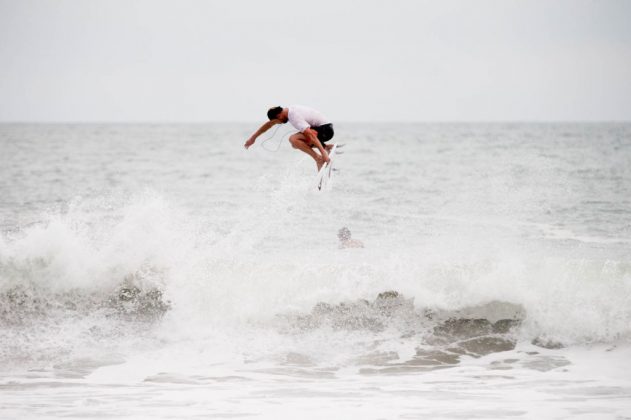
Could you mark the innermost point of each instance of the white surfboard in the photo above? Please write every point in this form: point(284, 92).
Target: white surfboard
point(325, 175)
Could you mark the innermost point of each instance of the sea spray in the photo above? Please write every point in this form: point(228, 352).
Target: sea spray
point(149, 258)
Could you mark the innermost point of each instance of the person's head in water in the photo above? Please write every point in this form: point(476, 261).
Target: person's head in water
point(344, 234)
point(277, 113)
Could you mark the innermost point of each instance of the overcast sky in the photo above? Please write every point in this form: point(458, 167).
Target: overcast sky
point(164, 61)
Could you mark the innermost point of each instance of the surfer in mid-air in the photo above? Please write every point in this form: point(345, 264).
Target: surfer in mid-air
point(314, 130)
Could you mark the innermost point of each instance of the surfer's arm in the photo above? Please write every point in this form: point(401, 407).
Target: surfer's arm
point(260, 131)
point(311, 134)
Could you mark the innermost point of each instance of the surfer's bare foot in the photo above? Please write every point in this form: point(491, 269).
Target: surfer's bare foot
point(319, 162)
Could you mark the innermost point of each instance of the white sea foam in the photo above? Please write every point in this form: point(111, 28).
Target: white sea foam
point(241, 278)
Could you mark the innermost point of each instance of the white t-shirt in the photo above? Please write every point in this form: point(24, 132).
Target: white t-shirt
point(303, 117)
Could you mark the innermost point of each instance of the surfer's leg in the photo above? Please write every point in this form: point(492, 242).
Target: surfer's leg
point(299, 141)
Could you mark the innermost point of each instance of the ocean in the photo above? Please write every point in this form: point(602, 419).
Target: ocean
point(163, 271)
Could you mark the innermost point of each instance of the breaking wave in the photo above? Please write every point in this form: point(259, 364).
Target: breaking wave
point(82, 278)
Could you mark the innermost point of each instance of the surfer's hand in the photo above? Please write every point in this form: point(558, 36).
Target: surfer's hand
point(249, 143)
point(325, 157)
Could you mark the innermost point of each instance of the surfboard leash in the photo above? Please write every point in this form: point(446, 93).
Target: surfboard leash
point(279, 142)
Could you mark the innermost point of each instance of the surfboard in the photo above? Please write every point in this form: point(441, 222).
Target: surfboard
point(325, 175)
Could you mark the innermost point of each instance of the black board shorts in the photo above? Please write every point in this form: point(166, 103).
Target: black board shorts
point(325, 132)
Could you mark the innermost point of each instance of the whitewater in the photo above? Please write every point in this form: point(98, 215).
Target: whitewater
point(163, 271)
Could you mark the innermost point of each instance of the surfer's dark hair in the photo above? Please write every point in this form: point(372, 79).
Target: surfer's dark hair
point(273, 113)
point(344, 234)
